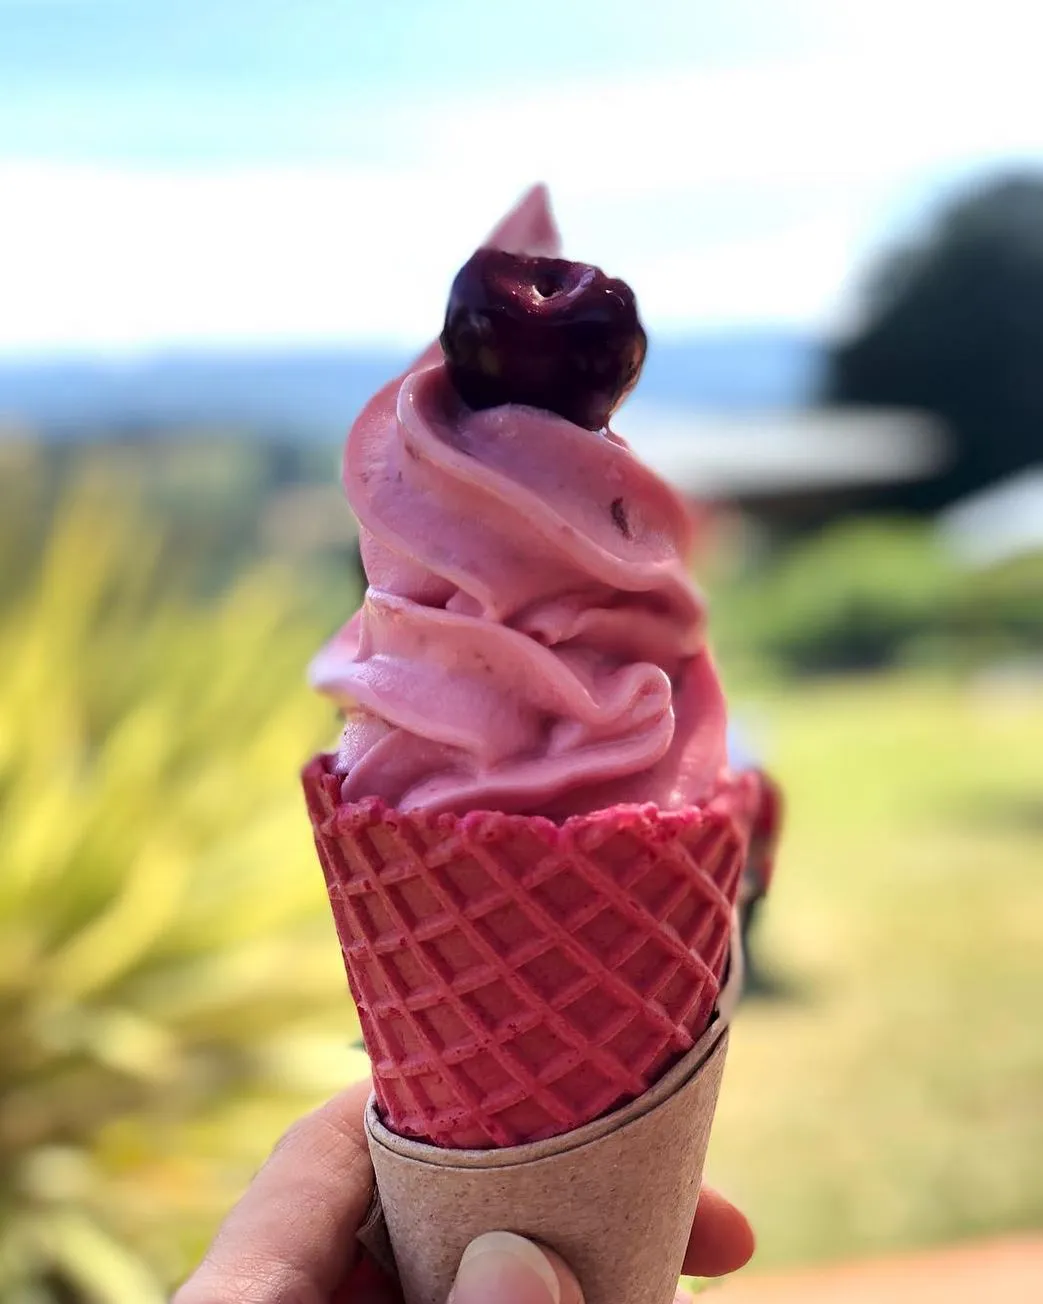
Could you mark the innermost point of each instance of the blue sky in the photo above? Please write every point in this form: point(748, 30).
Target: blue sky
point(214, 171)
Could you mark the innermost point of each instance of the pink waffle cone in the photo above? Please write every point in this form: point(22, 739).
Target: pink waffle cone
point(515, 978)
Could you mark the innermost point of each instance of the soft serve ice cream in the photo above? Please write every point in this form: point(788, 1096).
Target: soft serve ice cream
point(530, 641)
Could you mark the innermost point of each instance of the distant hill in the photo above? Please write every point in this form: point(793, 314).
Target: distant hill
point(735, 371)
point(315, 393)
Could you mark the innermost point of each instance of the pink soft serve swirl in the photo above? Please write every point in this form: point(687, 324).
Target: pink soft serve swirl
point(530, 640)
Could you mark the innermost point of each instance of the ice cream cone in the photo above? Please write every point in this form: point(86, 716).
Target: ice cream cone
point(516, 978)
point(540, 993)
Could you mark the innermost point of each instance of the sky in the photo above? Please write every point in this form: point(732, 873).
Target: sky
point(240, 172)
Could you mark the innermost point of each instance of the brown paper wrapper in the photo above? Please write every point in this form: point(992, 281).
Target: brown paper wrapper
point(615, 1198)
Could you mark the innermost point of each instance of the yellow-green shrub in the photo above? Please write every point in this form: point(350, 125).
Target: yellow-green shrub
point(170, 988)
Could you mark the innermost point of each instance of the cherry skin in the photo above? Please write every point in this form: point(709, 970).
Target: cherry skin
point(543, 332)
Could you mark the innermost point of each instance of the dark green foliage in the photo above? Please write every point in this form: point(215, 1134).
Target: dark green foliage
point(954, 326)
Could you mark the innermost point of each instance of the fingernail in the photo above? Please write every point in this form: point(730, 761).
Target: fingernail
point(502, 1268)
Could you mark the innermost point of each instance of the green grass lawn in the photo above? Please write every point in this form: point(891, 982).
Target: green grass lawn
point(892, 1099)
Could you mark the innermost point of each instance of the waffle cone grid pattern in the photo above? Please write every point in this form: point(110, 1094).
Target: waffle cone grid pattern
point(515, 978)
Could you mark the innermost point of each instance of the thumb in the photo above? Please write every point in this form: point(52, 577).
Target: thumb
point(503, 1268)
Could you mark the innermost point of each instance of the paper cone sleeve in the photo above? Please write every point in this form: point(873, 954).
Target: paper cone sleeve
point(614, 1198)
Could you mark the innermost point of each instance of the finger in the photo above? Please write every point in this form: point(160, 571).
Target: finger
point(292, 1235)
point(722, 1239)
point(503, 1268)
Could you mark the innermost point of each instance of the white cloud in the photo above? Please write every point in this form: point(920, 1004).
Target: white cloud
point(824, 119)
point(799, 275)
point(111, 260)
point(810, 155)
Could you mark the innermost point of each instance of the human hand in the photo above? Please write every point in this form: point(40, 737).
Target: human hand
point(291, 1238)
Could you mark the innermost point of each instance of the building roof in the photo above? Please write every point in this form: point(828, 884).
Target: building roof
point(769, 454)
point(999, 523)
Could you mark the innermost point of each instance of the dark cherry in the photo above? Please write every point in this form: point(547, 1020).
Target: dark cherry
point(545, 332)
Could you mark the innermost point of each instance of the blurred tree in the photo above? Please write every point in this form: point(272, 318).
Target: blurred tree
point(953, 325)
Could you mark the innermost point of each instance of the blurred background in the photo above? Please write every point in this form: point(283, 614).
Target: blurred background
point(221, 227)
